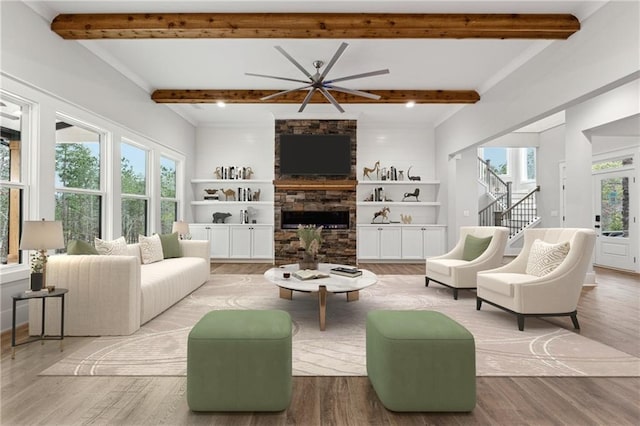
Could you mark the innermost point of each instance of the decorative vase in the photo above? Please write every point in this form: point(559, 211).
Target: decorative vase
point(309, 261)
point(36, 281)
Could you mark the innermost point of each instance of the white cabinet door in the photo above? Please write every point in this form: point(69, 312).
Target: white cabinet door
point(219, 241)
point(240, 242)
point(390, 242)
point(368, 242)
point(262, 242)
point(412, 243)
point(434, 244)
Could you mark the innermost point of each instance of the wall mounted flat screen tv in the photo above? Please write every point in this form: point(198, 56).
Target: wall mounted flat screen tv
point(324, 155)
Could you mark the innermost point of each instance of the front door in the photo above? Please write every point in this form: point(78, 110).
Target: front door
point(614, 219)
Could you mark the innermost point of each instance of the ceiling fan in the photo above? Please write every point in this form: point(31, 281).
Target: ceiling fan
point(317, 83)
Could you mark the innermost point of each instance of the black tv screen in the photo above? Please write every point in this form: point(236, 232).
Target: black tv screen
point(325, 155)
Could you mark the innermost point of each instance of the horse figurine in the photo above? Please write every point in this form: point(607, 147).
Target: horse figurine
point(412, 177)
point(382, 213)
point(412, 194)
point(228, 193)
point(218, 172)
point(256, 195)
point(367, 170)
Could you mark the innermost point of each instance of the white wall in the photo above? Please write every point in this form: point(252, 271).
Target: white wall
point(61, 76)
point(551, 153)
point(603, 55)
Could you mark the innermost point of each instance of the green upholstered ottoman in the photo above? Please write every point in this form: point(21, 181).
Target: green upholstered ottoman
point(421, 361)
point(240, 361)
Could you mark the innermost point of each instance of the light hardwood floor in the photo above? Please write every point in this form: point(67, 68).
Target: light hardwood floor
point(609, 313)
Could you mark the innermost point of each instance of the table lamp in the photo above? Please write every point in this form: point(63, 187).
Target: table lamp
point(42, 235)
point(182, 228)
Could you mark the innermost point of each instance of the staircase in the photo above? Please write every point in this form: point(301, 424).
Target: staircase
point(501, 210)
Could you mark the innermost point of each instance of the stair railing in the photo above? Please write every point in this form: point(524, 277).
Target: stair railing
point(496, 187)
point(520, 215)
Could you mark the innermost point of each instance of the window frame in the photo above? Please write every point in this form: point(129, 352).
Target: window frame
point(147, 185)
point(27, 112)
point(103, 137)
point(176, 198)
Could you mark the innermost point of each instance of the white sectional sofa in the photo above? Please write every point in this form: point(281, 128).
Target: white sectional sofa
point(115, 295)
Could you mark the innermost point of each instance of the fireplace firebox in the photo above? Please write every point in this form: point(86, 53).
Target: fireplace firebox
point(327, 219)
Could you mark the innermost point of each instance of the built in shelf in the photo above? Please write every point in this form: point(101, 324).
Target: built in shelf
point(231, 203)
point(315, 185)
point(399, 182)
point(228, 181)
point(399, 203)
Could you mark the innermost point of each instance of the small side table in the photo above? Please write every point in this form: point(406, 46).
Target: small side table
point(59, 292)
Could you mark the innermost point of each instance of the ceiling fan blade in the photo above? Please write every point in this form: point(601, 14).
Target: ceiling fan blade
point(276, 77)
point(307, 99)
point(333, 60)
point(352, 92)
point(351, 77)
point(294, 62)
point(331, 99)
point(266, 98)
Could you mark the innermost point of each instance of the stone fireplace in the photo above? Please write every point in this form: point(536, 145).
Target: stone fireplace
point(316, 200)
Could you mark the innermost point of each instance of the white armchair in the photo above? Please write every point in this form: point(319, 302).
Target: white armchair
point(521, 288)
point(451, 270)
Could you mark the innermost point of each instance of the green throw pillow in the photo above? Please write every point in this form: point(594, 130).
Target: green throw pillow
point(171, 245)
point(474, 247)
point(76, 247)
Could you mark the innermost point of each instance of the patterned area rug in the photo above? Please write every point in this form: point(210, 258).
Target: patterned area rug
point(159, 347)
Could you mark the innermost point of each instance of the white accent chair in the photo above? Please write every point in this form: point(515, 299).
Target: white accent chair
point(452, 271)
point(555, 294)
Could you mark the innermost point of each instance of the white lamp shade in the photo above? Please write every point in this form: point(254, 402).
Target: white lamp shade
point(182, 228)
point(41, 235)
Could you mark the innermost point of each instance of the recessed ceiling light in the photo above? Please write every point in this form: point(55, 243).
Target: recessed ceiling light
point(221, 104)
point(410, 104)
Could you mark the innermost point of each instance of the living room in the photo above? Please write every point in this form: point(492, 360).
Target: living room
point(593, 77)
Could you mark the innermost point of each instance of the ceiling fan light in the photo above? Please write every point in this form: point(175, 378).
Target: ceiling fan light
point(410, 104)
point(221, 104)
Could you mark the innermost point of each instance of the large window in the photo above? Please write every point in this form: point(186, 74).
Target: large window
point(11, 177)
point(135, 199)
point(498, 159)
point(168, 194)
point(528, 156)
point(78, 180)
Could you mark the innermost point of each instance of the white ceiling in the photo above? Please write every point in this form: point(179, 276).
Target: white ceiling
point(221, 64)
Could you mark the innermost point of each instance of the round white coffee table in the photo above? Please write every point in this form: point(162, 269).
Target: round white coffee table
point(331, 284)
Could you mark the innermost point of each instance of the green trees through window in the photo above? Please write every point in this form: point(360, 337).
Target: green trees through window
point(78, 191)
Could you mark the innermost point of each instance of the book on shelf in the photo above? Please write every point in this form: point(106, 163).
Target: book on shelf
point(346, 272)
point(309, 274)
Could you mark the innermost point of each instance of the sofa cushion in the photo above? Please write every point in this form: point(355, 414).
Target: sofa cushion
point(150, 249)
point(444, 266)
point(117, 247)
point(502, 283)
point(78, 247)
point(545, 257)
point(170, 245)
point(474, 247)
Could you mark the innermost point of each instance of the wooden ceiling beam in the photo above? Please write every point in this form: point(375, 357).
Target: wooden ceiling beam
point(314, 25)
point(167, 96)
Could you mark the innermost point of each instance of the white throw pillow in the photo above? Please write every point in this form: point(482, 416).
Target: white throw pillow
point(150, 248)
point(117, 247)
point(545, 257)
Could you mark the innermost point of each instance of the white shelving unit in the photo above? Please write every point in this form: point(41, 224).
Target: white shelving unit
point(231, 239)
point(261, 211)
point(396, 239)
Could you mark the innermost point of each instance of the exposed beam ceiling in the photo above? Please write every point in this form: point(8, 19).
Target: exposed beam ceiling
point(253, 96)
point(313, 25)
